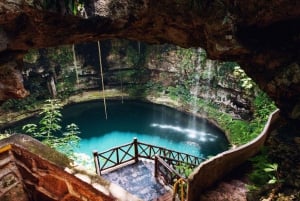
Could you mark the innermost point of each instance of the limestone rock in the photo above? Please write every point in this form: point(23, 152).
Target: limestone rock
point(11, 82)
point(262, 36)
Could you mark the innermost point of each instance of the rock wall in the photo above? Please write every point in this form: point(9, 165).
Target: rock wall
point(161, 67)
point(11, 184)
point(211, 170)
point(140, 70)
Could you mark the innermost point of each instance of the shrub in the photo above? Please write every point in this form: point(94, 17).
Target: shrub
point(49, 130)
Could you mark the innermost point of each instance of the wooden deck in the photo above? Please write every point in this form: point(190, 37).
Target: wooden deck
point(138, 173)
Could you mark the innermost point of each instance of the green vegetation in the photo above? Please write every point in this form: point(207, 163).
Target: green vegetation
point(265, 174)
point(49, 130)
point(246, 82)
point(193, 71)
point(24, 104)
point(66, 87)
point(136, 90)
point(31, 56)
point(62, 55)
point(55, 62)
point(189, 67)
point(239, 131)
point(242, 131)
point(132, 56)
point(62, 59)
point(184, 169)
point(132, 53)
point(71, 6)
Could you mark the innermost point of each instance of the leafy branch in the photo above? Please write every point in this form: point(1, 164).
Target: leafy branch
point(70, 6)
point(49, 130)
point(265, 173)
point(246, 82)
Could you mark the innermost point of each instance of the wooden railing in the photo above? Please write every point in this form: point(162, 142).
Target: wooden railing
point(149, 151)
point(165, 163)
point(167, 172)
point(135, 150)
point(171, 177)
point(115, 156)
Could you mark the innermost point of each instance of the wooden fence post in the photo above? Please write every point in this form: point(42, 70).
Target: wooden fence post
point(117, 155)
point(97, 163)
point(155, 166)
point(136, 151)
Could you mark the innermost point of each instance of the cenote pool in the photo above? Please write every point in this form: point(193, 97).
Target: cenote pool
point(149, 123)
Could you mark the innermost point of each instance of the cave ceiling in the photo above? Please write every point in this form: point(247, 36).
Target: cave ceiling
point(262, 36)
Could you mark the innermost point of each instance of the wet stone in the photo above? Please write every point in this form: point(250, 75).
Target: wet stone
point(138, 179)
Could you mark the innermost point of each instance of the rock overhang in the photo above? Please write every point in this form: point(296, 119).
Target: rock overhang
point(263, 37)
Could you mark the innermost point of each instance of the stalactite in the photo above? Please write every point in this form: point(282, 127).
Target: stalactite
point(102, 80)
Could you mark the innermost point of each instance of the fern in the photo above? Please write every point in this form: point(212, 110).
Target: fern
point(264, 172)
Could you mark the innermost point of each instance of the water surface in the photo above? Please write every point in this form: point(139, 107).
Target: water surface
point(150, 123)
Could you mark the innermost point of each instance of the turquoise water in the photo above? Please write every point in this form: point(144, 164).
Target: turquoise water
point(149, 123)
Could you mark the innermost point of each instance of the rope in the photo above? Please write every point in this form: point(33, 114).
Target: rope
point(181, 180)
point(101, 72)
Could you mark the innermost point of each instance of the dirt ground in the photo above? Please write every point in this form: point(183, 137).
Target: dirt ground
point(232, 188)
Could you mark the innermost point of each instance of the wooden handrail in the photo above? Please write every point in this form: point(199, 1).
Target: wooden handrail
point(114, 157)
point(171, 177)
point(168, 153)
point(169, 174)
point(134, 150)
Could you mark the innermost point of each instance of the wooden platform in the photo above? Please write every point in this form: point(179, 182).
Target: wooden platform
point(138, 179)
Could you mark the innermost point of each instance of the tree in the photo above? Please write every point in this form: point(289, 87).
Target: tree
point(49, 130)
